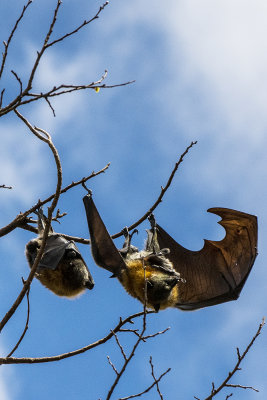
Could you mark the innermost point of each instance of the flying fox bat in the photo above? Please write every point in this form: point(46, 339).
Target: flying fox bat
point(175, 276)
point(62, 268)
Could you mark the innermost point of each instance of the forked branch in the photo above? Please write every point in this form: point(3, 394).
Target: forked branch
point(44, 136)
point(240, 358)
point(38, 360)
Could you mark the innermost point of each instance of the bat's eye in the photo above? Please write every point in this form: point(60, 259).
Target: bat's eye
point(71, 254)
point(149, 285)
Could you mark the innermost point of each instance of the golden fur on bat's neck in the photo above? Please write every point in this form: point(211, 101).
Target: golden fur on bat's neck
point(132, 279)
point(55, 281)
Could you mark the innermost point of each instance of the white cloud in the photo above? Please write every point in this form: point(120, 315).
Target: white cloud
point(8, 385)
point(221, 46)
point(22, 163)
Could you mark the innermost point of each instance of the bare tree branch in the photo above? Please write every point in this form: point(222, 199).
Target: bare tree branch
point(44, 47)
point(38, 360)
point(86, 22)
point(163, 191)
point(236, 368)
point(21, 220)
point(64, 89)
point(18, 100)
point(155, 383)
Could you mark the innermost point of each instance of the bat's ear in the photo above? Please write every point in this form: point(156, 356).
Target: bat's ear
point(104, 251)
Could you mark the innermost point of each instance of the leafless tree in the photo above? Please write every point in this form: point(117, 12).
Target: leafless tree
point(25, 96)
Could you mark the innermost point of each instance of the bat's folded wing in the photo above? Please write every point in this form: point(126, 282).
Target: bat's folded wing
point(104, 251)
point(56, 246)
point(218, 272)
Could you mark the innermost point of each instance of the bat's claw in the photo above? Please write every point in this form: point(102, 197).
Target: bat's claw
point(152, 220)
point(163, 252)
point(127, 247)
point(125, 232)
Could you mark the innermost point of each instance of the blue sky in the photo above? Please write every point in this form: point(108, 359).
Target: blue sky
point(201, 74)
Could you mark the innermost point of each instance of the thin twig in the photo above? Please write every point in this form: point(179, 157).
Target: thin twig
point(38, 360)
point(19, 81)
point(156, 334)
point(5, 187)
point(55, 218)
point(1, 97)
point(44, 47)
point(112, 365)
point(20, 220)
point(242, 387)
point(86, 22)
point(156, 381)
point(128, 359)
point(6, 44)
point(26, 325)
point(120, 346)
point(163, 191)
point(50, 105)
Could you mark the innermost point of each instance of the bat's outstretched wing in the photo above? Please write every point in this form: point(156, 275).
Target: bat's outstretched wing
point(218, 272)
point(104, 251)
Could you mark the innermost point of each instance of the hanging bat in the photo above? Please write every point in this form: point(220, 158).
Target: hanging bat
point(175, 276)
point(62, 268)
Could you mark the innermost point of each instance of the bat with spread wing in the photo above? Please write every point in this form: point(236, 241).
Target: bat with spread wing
point(62, 268)
point(175, 276)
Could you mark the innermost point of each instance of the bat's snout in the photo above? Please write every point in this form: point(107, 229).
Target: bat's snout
point(90, 284)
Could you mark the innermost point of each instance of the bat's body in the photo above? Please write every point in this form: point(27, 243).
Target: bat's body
point(62, 268)
point(162, 289)
point(175, 276)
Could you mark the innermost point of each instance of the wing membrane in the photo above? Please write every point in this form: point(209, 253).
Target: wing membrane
point(104, 251)
point(218, 272)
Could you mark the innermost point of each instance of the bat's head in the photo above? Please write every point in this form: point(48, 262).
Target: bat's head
point(62, 268)
point(151, 278)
